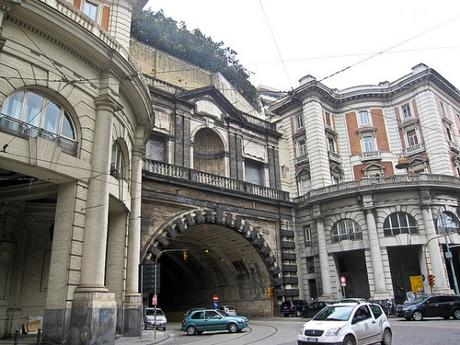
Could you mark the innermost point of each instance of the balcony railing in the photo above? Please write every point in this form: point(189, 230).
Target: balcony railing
point(162, 85)
point(334, 156)
point(353, 236)
point(259, 122)
point(24, 130)
point(78, 17)
point(206, 179)
point(414, 149)
point(371, 155)
point(380, 182)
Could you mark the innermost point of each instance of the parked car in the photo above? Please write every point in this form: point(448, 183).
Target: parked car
point(150, 320)
point(312, 308)
point(293, 307)
point(432, 306)
point(355, 323)
point(229, 309)
point(200, 320)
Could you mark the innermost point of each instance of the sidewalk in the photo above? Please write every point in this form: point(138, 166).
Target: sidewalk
point(147, 338)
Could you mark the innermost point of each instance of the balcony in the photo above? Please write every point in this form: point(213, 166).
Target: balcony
point(254, 120)
point(371, 155)
point(334, 157)
point(78, 17)
point(413, 150)
point(219, 182)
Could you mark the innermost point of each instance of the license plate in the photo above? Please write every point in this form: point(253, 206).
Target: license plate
point(312, 340)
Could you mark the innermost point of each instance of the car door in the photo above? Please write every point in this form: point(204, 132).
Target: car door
point(432, 306)
point(379, 316)
point(364, 326)
point(214, 321)
point(197, 320)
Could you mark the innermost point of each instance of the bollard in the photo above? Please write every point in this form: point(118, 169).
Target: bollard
point(39, 335)
point(15, 339)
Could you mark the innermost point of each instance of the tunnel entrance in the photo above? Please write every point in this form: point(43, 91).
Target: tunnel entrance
point(199, 261)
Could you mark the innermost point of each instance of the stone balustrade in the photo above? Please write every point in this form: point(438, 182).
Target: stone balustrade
point(219, 182)
point(414, 149)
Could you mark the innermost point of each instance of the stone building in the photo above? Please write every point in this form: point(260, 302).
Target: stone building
point(73, 123)
point(374, 175)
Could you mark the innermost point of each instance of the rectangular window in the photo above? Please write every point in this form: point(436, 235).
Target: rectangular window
point(299, 121)
point(254, 172)
point(364, 119)
point(304, 183)
point(310, 264)
point(157, 149)
point(328, 120)
point(301, 148)
point(412, 138)
point(443, 109)
point(449, 133)
point(406, 111)
point(307, 235)
point(90, 9)
point(368, 143)
point(331, 144)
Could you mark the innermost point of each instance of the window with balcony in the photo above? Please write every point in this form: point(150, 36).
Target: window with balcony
point(254, 172)
point(406, 112)
point(310, 260)
point(90, 9)
point(307, 235)
point(28, 113)
point(364, 118)
point(368, 143)
point(346, 229)
point(299, 121)
point(399, 223)
point(412, 138)
point(449, 133)
point(332, 145)
point(301, 147)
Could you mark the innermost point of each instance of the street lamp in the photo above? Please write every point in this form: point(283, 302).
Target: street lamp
point(442, 227)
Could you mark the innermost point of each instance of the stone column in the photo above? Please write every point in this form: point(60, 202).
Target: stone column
point(133, 299)
point(437, 266)
point(323, 259)
point(380, 289)
point(94, 308)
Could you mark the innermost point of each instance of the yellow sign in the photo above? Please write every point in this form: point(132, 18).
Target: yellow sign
point(416, 283)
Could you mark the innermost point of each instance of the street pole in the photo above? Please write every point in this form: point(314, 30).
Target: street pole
point(448, 256)
point(425, 246)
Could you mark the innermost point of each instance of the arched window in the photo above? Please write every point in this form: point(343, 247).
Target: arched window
point(117, 163)
point(399, 223)
point(346, 229)
point(447, 222)
point(208, 152)
point(27, 113)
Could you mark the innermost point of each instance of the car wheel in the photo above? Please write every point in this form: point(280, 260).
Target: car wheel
point(232, 327)
point(349, 340)
point(387, 336)
point(417, 315)
point(191, 330)
point(298, 313)
point(457, 314)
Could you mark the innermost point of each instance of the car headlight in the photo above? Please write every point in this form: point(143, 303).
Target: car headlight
point(332, 332)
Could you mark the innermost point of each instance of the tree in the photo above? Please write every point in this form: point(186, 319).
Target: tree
point(164, 33)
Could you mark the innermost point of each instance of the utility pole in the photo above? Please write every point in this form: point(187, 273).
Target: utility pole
point(448, 253)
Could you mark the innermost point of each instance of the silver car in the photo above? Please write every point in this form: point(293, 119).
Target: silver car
point(150, 320)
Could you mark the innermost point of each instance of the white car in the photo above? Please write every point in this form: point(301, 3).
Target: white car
point(150, 319)
point(229, 310)
point(358, 323)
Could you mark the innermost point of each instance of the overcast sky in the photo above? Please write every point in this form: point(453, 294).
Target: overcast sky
point(322, 37)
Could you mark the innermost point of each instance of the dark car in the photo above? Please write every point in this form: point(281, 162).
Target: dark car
point(293, 307)
point(432, 306)
point(314, 308)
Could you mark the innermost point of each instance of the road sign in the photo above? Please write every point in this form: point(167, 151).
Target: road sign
point(215, 298)
point(343, 281)
point(149, 278)
point(154, 300)
point(416, 283)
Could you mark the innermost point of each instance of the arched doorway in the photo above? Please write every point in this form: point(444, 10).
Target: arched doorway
point(209, 152)
point(224, 256)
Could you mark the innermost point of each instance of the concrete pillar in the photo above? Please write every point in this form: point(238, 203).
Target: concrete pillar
point(437, 266)
point(323, 260)
point(94, 308)
point(380, 290)
point(133, 300)
point(57, 313)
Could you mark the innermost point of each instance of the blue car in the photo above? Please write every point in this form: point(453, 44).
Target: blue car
point(199, 320)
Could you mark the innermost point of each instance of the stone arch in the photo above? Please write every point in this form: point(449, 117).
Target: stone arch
point(181, 223)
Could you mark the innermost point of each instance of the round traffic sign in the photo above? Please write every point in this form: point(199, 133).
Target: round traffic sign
point(343, 280)
point(154, 299)
point(215, 298)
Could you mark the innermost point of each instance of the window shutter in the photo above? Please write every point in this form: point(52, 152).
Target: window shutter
point(105, 17)
point(77, 4)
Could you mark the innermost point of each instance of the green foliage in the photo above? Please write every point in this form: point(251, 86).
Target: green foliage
point(164, 33)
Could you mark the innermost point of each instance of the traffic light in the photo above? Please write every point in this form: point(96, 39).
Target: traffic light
point(431, 280)
point(185, 255)
point(269, 291)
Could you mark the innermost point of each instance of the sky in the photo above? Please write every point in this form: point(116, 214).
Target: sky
point(280, 41)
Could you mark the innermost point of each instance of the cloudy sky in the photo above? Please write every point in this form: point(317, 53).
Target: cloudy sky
point(322, 37)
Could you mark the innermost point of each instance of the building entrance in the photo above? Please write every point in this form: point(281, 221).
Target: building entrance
point(352, 266)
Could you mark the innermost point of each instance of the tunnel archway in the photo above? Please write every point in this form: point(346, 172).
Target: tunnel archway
point(225, 256)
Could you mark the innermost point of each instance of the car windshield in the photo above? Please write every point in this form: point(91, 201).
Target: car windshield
point(151, 312)
point(334, 313)
point(418, 300)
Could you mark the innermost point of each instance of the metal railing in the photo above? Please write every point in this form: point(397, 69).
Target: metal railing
point(353, 236)
point(414, 149)
point(370, 155)
point(22, 129)
point(221, 182)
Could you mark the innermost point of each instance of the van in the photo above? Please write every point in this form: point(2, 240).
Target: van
point(150, 321)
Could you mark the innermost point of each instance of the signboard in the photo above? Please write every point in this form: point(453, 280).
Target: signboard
point(154, 300)
point(416, 283)
point(343, 281)
point(149, 278)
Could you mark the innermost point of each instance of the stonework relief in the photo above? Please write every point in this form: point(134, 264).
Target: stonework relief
point(254, 150)
point(208, 108)
point(163, 120)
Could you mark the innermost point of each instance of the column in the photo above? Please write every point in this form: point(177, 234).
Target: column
point(93, 317)
point(323, 260)
point(380, 289)
point(133, 300)
point(437, 266)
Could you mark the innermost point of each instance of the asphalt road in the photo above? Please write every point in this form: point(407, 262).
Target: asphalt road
point(283, 331)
